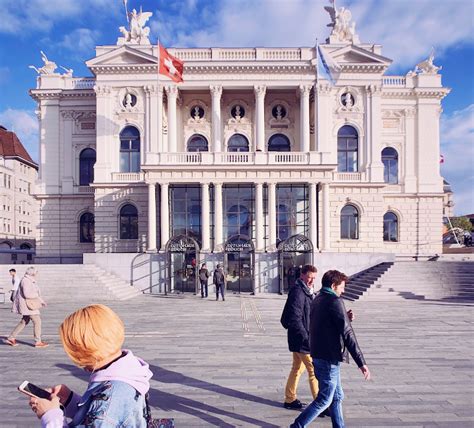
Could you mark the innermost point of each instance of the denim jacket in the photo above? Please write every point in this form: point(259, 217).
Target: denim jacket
point(110, 400)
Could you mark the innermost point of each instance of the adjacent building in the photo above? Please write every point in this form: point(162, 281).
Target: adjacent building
point(262, 159)
point(18, 207)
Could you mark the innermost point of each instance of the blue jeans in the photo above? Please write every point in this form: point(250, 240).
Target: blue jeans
point(330, 395)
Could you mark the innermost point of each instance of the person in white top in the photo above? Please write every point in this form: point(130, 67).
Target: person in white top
point(15, 283)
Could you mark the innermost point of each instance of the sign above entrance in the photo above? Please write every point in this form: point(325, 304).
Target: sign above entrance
point(238, 246)
point(296, 244)
point(181, 244)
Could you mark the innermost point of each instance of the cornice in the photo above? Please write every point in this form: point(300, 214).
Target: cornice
point(434, 93)
point(51, 94)
point(363, 68)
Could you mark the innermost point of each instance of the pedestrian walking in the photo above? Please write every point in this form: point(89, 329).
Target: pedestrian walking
point(15, 283)
point(295, 318)
point(28, 302)
point(330, 327)
point(203, 279)
point(219, 281)
point(116, 394)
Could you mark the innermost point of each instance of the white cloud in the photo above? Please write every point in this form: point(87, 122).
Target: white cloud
point(27, 16)
point(25, 125)
point(81, 42)
point(457, 147)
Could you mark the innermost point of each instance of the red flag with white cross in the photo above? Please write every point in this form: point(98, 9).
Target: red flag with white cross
point(170, 65)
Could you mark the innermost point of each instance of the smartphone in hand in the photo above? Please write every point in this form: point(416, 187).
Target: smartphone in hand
point(33, 390)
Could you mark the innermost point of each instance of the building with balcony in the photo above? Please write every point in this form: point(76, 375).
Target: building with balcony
point(18, 207)
point(256, 160)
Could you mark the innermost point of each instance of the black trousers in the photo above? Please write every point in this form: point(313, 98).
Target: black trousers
point(221, 288)
point(203, 288)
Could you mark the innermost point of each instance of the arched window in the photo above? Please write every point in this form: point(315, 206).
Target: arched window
point(390, 227)
point(349, 222)
point(347, 149)
point(238, 143)
point(86, 167)
point(128, 222)
point(390, 165)
point(25, 246)
point(198, 143)
point(86, 227)
point(130, 149)
point(279, 143)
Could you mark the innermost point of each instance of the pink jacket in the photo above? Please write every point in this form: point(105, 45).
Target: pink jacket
point(28, 289)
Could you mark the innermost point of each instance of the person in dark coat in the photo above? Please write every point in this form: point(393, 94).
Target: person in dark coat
point(297, 313)
point(330, 329)
point(203, 278)
point(219, 281)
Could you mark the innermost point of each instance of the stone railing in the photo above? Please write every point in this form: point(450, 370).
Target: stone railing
point(234, 158)
point(394, 81)
point(82, 83)
point(84, 189)
point(127, 177)
point(243, 54)
point(348, 176)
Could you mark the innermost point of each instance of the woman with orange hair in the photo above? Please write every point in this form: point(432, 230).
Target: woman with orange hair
point(93, 337)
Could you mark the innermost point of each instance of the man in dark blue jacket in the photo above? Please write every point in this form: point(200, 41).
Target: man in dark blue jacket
point(331, 337)
point(297, 313)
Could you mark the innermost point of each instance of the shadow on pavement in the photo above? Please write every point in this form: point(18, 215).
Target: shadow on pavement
point(171, 402)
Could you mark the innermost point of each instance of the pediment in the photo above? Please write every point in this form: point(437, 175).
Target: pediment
point(122, 56)
point(354, 55)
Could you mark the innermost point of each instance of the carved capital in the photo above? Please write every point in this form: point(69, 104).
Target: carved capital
point(216, 90)
point(102, 90)
point(260, 90)
point(68, 114)
point(410, 112)
point(323, 88)
point(172, 91)
point(150, 89)
point(374, 89)
point(305, 90)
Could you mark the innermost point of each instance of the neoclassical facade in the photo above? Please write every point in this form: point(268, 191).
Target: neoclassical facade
point(256, 160)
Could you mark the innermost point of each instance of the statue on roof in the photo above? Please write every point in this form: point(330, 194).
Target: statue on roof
point(427, 66)
point(343, 30)
point(49, 67)
point(137, 33)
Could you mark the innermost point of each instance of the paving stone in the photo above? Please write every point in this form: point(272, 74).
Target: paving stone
point(212, 367)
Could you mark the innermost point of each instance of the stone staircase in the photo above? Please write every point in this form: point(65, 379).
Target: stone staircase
point(82, 282)
point(359, 284)
point(449, 281)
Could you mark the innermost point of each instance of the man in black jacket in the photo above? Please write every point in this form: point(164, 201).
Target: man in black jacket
point(296, 313)
point(331, 337)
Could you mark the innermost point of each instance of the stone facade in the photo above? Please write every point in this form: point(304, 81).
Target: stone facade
point(265, 96)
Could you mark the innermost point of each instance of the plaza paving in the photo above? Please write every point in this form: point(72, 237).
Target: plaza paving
point(225, 363)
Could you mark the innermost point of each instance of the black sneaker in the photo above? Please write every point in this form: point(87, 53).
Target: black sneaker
point(326, 412)
point(294, 405)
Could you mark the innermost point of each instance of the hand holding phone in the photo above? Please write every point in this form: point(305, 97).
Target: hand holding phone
point(33, 390)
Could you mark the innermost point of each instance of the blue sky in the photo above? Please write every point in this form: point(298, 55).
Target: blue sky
point(68, 30)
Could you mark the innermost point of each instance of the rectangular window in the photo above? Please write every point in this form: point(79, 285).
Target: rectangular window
point(292, 210)
point(185, 204)
point(238, 210)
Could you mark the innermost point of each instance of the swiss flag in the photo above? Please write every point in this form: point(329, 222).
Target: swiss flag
point(170, 66)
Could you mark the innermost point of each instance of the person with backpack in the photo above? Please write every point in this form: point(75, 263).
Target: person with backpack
point(295, 318)
point(219, 281)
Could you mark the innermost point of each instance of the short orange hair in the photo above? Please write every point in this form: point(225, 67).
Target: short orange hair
point(92, 334)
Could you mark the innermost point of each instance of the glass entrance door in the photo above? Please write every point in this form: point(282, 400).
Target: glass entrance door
point(239, 272)
point(183, 272)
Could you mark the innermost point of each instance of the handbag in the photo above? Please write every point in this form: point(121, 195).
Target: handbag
point(32, 304)
point(156, 423)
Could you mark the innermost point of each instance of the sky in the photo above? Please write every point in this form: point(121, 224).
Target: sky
point(68, 31)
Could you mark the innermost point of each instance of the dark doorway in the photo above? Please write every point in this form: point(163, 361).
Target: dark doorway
point(293, 254)
point(183, 256)
point(239, 264)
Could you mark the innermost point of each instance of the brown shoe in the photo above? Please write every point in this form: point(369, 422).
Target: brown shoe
point(11, 342)
point(41, 345)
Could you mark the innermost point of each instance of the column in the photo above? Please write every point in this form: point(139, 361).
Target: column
point(260, 92)
point(172, 93)
point(313, 214)
point(151, 218)
point(216, 92)
point(67, 162)
point(205, 220)
point(259, 218)
point(410, 153)
point(165, 214)
point(323, 123)
point(304, 117)
point(104, 164)
point(217, 216)
point(272, 226)
point(374, 130)
point(326, 246)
